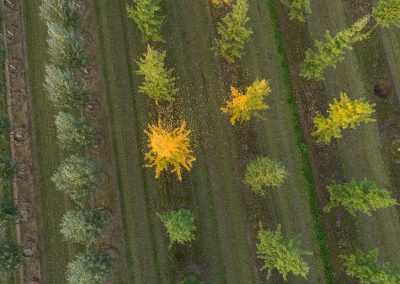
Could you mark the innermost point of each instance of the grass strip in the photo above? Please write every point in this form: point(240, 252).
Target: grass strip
point(300, 141)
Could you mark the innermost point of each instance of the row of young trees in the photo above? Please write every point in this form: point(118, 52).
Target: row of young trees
point(11, 253)
point(168, 146)
point(79, 176)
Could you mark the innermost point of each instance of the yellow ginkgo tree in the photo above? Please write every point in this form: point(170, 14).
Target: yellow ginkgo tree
point(169, 149)
point(342, 113)
point(242, 106)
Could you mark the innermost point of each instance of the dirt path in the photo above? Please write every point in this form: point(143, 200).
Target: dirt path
point(19, 112)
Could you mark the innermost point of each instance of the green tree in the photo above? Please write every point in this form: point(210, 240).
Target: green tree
point(65, 13)
point(64, 90)
point(233, 33)
point(92, 267)
point(75, 133)
point(366, 267)
point(78, 177)
point(83, 227)
point(387, 12)
point(359, 196)
point(8, 214)
point(158, 84)
point(298, 9)
point(4, 127)
point(8, 170)
point(180, 226)
point(281, 254)
point(191, 280)
point(66, 48)
point(10, 258)
point(264, 173)
point(329, 53)
point(145, 13)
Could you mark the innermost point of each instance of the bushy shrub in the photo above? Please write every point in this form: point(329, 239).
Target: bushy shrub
point(64, 90)
point(92, 267)
point(74, 133)
point(264, 173)
point(79, 177)
point(65, 13)
point(83, 226)
point(298, 9)
point(180, 225)
point(387, 12)
point(8, 170)
point(10, 258)
point(8, 214)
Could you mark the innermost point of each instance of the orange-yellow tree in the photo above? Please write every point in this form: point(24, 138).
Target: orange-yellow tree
point(342, 113)
point(169, 149)
point(242, 106)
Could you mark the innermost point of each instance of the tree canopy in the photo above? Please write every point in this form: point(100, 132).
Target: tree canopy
point(284, 255)
point(366, 267)
point(387, 12)
point(65, 13)
point(64, 90)
point(10, 258)
point(264, 173)
point(359, 196)
point(329, 53)
point(75, 133)
point(169, 148)
point(83, 226)
point(233, 33)
point(8, 213)
point(342, 113)
point(158, 83)
point(146, 14)
point(298, 9)
point(79, 177)
point(66, 48)
point(242, 106)
point(92, 267)
point(180, 226)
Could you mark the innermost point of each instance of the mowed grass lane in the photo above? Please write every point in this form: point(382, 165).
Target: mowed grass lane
point(54, 252)
point(360, 149)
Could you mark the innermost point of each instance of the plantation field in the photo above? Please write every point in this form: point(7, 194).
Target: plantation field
point(227, 214)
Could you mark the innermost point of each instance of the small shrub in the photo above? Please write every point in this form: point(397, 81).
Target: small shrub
point(8, 214)
point(8, 171)
point(298, 9)
point(65, 13)
point(10, 259)
point(264, 173)
point(180, 226)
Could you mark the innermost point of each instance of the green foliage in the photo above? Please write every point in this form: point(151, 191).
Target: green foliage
point(64, 90)
point(366, 267)
point(298, 9)
point(180, 225)
point(191, 280)
point(233, 33)
point(65, 13)
point(66, 48)
point(8, 171)
point(8, 214)
point(359, 196)
point(387, 12)
point(280, 254)
point(329, 53)
point(264, 173)
point(4, 127)
point(74, 133)
point(78, 177)
point(3, 50)
point(158, 82)
point(83, 227)
point(10, 258)
point(92, 267)
point(145, 13)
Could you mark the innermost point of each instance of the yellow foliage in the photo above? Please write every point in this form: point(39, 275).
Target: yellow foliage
point(342, 113)
point(169, 149)
point(242, 106)
point(221, 2)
